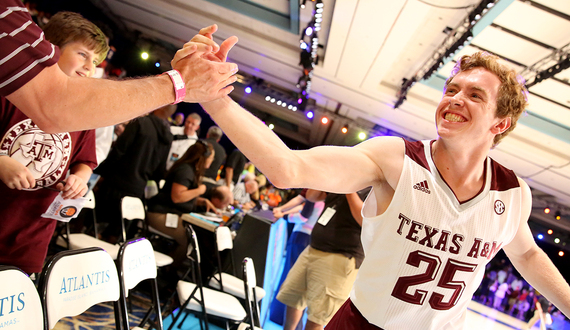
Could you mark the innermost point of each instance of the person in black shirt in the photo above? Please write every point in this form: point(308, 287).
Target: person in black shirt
point(323, 275)
point(181, 194)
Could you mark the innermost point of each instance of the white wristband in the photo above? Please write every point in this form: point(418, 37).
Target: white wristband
point(179, 86)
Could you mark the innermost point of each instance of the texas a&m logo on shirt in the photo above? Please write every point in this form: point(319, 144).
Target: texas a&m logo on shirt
point(45, 155)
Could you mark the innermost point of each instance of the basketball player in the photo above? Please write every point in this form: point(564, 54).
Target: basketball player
point(438, 211)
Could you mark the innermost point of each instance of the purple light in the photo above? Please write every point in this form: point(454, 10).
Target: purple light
point(248, 90)
point(310, 115)
point(309, 31)
point(300, 100)
point(303, 45)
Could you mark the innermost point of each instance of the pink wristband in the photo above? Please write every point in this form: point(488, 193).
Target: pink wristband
point(179, 86)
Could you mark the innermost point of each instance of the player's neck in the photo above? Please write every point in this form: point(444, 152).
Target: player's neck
point(461, 168)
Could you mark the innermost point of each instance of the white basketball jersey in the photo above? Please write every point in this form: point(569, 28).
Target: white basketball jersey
point(426, 254)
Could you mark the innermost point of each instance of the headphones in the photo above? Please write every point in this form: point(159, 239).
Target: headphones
point(207, 152)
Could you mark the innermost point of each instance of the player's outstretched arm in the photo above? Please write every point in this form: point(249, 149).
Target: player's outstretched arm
point(59, 103)
point(534, 265)
point(326, 168)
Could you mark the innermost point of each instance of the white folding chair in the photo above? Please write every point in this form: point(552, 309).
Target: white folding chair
point(151, 189)
point(135, 264)
point(132, 208)
point(73, 281)
point(228, 282)
point(77, 241)
point(205, 301)
point(21, 308)
point(249, 282)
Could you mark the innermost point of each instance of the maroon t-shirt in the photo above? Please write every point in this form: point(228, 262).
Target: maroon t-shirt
point(24, 234)
point(24, 52)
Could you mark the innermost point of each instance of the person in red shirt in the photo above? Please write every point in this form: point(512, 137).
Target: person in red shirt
point(33, 163)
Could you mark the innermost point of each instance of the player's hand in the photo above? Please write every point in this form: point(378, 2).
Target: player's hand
point(15, 175)
point(74, 187)
point(201, 62)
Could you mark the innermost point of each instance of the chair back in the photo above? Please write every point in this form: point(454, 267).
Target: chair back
point(151, 189)
point(224, 238)
point(136, 263)
point(90, 203)
point(193, 251)
point(132, 208)
point(249, 283)
point(21, 308)
point(73, 281)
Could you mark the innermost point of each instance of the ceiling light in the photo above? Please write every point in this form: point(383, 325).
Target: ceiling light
point(144, 55)
point(344, 129)
point(310, 115)
point(248, 90)
point(324, 120)
point(362, 136)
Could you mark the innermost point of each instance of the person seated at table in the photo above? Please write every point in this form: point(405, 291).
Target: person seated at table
point(181, 194)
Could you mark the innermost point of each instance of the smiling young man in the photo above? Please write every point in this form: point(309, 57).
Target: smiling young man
point(438, 211)
point(31, 159)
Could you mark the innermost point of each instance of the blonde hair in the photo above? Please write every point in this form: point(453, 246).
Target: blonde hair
point(512, 96)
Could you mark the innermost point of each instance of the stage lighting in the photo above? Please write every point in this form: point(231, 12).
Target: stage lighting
point(157, 64)
point(561, 253)
point(549, 231)
point(310, 115)
point(546, 210)
point(344, 129)
point(362, 136)
point(248, 90)
point(557, 240)
point(267, 98)
point(309, 31)
point(557, 215)
point(144, 55)
point(324, 120)
point(271, 126)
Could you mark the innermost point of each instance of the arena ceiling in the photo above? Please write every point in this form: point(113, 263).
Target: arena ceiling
point(368, 48)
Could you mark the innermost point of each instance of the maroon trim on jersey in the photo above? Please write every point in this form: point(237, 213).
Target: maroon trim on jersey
point(415, 150)
point(348, 317)
point(503, 178)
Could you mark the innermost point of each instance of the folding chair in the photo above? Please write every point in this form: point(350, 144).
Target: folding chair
point(135, 264)
point(77, 241)
point(73, 281)
point(21, 308)
point(225, 282)
point(132, 208)
point(205, 301)
point(249, 283)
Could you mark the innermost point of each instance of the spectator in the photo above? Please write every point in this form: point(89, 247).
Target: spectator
point(181, 194)
point(233, 168)
point(322, 276)
point(31, 159)
point(59, 103)
point(139, 155)
point(184, 137)
point(213, 137)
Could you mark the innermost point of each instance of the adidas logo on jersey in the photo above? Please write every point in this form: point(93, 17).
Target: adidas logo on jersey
point(422, 186)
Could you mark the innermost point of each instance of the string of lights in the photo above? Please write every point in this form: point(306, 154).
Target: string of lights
point(309, 44)
point(458, 38)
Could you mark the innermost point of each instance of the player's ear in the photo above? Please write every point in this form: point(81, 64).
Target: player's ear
point(501, 126)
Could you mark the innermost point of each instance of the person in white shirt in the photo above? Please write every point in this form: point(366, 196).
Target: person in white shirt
point(184, 137)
